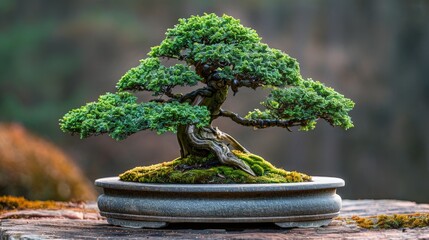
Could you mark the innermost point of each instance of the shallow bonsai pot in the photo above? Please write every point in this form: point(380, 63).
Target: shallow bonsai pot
point(144, 205)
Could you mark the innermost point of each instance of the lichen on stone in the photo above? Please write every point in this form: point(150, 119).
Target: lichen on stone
point(18, 203)
point(394, 221)
point(207, 170)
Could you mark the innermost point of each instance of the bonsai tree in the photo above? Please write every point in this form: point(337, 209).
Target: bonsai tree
point(216, 54)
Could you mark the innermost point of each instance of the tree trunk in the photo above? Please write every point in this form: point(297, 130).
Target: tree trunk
point(202, 141)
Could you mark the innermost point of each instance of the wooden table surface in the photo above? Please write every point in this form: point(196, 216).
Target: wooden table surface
point(84, 222)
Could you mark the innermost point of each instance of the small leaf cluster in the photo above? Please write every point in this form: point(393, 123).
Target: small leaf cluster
point(151, 76)
point(305, 104)
point(234, 52)
point(207, 29)
point(248, 61)
point(120, 115)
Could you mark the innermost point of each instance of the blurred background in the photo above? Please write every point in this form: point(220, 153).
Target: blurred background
point(59, 55)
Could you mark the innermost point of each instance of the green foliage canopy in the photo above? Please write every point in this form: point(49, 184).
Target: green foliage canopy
point(305, 104)
point(233, 51)
point(120, 115)
point(210, 47)
point(151, 76)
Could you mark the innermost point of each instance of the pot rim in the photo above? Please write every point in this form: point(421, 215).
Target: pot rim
point(318, 182)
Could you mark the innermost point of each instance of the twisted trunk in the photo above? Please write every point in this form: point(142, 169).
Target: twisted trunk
point(202, 141)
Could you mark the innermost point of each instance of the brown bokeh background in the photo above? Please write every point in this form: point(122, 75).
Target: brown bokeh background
point(58, 55)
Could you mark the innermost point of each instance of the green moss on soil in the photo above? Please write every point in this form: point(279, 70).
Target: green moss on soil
point(393, 221)
point(206, 170)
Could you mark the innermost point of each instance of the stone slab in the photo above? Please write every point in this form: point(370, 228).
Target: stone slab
point(68, 226)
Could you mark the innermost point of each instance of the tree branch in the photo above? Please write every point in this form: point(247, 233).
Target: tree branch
point(259, 123)
point(250, 83)
point(169, 94)
point(189, 97)
point(203, 92)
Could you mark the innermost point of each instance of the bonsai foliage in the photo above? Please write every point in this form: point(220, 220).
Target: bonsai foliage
point(219, 54)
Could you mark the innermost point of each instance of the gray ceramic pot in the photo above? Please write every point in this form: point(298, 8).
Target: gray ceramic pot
point(143, 205)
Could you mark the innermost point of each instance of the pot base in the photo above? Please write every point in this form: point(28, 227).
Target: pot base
point(123, 222)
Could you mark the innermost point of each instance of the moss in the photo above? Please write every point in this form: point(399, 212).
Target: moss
point(28, 162)
point(393, 221)
point(206, 170)
point(19, 203)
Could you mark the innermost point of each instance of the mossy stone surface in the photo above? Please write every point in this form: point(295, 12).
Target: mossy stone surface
point(207, 170)
point(18, 203)
point(394, 221)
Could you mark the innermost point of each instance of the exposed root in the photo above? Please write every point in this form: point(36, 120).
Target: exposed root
point(210, 139)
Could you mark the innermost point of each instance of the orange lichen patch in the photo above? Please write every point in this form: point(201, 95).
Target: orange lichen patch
point(393, 221)
point(37, 169)
point(20, 203)
point(12, 207)
point(363, 221)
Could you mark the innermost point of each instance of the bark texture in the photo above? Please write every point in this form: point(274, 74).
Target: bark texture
point(202, 141)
